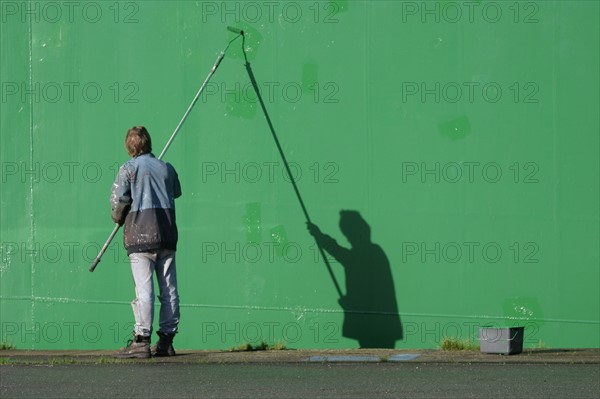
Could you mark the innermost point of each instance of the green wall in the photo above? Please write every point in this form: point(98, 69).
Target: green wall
point(464, 133)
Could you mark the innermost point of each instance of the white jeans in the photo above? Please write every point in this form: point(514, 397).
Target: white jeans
point(143, 266)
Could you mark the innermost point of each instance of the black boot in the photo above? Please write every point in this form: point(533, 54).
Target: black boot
point(164, 346)
point(138, 347)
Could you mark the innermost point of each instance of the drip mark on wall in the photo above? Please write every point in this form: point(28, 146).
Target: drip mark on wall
point(279, 237)
point(252, 222)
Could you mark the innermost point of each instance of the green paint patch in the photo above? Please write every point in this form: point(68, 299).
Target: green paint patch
point(456, 129)
point(237, 104)
point(310, 77)
point(252, 222)
point(252, 41)
point(242, 102)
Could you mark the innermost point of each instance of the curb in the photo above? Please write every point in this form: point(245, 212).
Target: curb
point(542, 356)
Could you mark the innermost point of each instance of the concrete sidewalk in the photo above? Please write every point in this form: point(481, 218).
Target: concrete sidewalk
point(531, 356)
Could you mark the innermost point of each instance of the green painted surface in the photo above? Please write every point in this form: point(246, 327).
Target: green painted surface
point(465, 134)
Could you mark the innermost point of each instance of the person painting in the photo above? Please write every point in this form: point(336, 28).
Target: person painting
point(143, 200)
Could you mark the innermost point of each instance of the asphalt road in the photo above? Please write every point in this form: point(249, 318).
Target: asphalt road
point(297, 380)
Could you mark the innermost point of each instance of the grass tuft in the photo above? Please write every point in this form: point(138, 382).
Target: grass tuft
point(455, 344)
point(6, 347)
point(263, 346)
point(278, 346)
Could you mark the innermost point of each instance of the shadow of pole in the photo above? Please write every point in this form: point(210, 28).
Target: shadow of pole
point(287, 167)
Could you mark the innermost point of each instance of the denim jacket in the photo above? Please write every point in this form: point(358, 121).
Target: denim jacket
point(143, 199)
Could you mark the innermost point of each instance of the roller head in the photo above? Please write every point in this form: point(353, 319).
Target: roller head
point(235, 30)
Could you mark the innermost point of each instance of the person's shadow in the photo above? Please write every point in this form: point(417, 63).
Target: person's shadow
point(370, 307)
